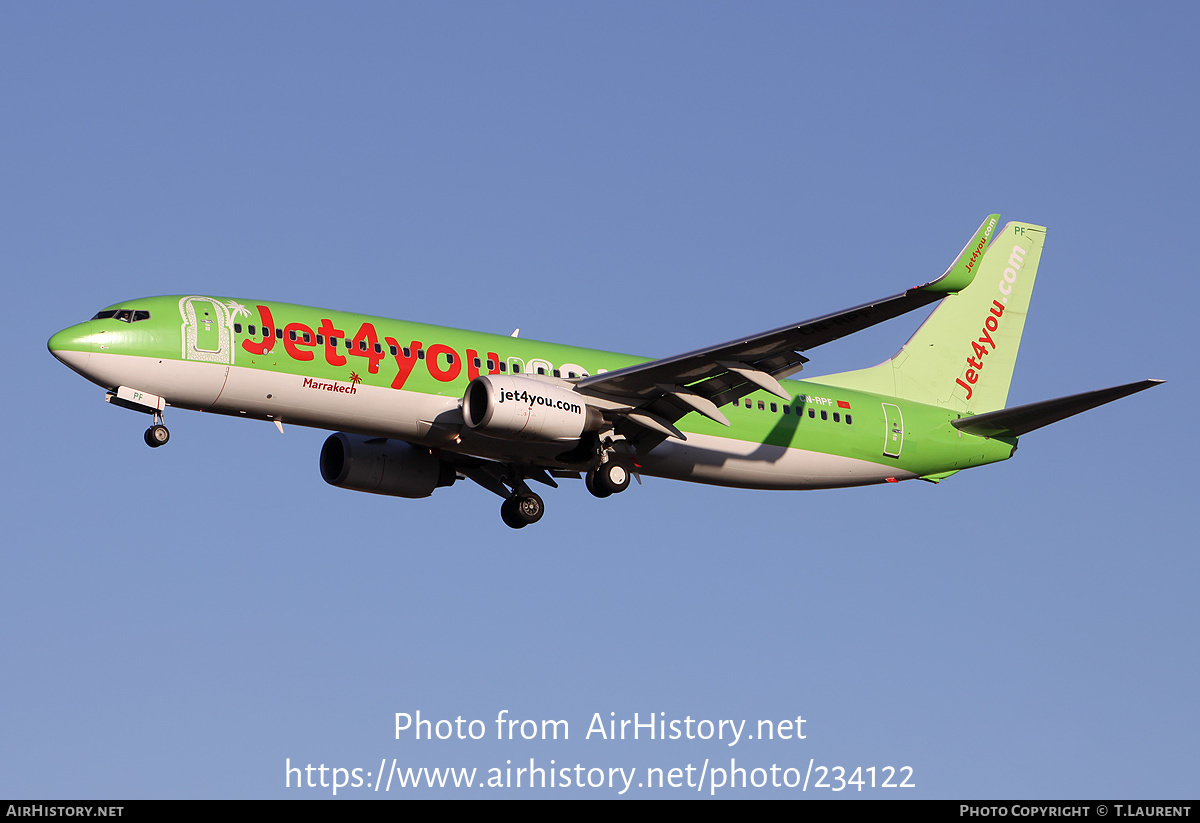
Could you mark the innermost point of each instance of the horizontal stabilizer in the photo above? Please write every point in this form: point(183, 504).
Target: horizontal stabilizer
point(1021, 419)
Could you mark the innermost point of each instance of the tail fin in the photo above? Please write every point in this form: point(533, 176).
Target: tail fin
point(963, 355)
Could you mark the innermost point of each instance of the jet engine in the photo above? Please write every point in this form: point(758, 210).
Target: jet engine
point(381, 466)
point(527, 409)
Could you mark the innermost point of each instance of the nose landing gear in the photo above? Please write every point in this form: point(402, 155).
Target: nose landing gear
point(157, 435)
point(142, 401)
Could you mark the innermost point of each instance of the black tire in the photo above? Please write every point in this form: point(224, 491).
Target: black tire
point(589, 480)
point(157, 436)
point(613, 477)
point(508, 513)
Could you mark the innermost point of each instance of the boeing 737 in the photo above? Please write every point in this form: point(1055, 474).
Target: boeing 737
point(416, 407)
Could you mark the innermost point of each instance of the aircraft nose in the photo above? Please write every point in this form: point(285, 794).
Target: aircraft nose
point(59, 341)
point(72, 346)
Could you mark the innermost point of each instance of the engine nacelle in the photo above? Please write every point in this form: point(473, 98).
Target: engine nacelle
point(527, 409)
point(379, 466)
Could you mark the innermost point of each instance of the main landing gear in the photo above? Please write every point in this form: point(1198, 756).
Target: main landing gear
point(522, 509)
point(610, 478)
point(157, 435)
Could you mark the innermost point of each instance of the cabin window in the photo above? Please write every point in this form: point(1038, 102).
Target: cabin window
point(812, 413)
point(291, 334)
point(267, 331)
point(787, 409)
point(393, 350)
point(449, 359)
point(774, 408)
point(516, 368)
point(837, 418)
point(749, 404)
point(420, 354)
point(250, 329)
point(362, 345)
point(279, 333)
point(320, 340)
point(556, 374)
point(503, 366)
point(491, 364)
point(407, 352)
point(848, 420)
point(824, 414)
point(333, 341)
point(541, 370)
point(762, 406)
point(478, 362)
point(378, 348)
point(237, 328)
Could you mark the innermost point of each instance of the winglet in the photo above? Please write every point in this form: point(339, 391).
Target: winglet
point(962, 270)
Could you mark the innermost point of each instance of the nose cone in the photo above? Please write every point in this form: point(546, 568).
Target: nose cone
point(73, 346)
point(61, 341)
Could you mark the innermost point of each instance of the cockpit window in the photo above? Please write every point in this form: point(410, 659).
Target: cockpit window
point(124, 315)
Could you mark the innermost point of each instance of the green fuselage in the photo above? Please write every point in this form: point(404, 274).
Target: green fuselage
point(338, 359)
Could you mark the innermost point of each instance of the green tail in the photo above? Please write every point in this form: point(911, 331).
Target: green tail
point(963, 355)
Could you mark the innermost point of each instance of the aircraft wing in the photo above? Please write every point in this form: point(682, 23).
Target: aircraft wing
point(652, 396)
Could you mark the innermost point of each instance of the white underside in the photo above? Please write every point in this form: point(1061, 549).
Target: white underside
point(436, 421)
point(721, 461)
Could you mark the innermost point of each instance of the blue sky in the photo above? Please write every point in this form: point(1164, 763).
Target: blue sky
point(643, 178)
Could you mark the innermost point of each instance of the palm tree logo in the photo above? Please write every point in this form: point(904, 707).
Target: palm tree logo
point(354, 378)
point(237, 310)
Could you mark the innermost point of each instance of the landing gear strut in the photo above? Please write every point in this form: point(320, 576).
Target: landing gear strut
point(157, 435)
point(522, 509)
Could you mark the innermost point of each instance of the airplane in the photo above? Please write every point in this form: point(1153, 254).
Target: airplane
point(417, 407)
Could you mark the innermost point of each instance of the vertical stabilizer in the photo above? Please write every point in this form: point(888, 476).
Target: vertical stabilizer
point(963, 355)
